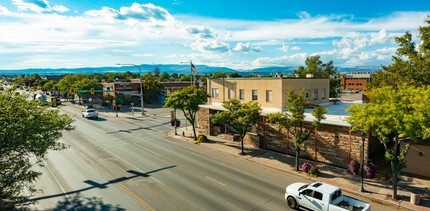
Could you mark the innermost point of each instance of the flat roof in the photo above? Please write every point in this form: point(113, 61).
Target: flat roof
point(260, 78)
point(336, 114)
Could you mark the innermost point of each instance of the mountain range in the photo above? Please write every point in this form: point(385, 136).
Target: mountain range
point(170, 68)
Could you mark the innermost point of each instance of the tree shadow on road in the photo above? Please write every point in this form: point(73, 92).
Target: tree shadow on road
point(79, 202)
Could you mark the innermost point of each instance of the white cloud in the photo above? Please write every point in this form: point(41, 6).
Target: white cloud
point(295, 48)
point(284, 48)
point(38, 6)
point(245, 48)
point(202, 32)
point(295, 59)
point(4, 10)
point(210, 46)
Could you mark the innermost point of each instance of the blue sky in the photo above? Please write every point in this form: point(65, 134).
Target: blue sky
point(234, 34)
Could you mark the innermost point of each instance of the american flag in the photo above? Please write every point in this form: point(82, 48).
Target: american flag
point(193, 68)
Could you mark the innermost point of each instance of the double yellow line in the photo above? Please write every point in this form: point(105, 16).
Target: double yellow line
point(125, 189)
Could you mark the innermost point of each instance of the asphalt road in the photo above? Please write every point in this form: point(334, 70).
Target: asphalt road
point(130, 163)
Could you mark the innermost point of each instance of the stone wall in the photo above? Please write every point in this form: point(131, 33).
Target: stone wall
point(332, 143)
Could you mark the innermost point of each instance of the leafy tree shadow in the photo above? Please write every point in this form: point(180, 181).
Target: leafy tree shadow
point(77, 202)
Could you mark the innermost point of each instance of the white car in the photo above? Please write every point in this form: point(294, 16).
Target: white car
point(322, 197)
point(90, 113)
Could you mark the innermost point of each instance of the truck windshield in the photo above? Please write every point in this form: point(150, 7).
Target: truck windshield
point(303, 187)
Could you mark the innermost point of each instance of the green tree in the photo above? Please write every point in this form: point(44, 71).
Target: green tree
point(402, 113)
point(188, 100)
point(28, 131)
point(151, 86)
point(175, 75)
point(49, 86)
point(219, 75)
point(411, 63)
point(185, 78)
point(243, 116)
point(221, 118)
point(36, 76)
point(165, 77)
point(294, 120)
point(235, 75)
point(315, 66)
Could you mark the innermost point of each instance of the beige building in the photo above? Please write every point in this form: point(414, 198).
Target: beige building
point(268, 92)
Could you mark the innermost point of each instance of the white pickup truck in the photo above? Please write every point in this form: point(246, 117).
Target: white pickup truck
point(90, 113)
point(321, 196)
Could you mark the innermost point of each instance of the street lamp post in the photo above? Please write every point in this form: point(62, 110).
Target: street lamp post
point(363, 137)
point(140, 82)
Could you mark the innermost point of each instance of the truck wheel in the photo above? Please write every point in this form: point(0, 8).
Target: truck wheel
point(83, 116)
point(97, 117)
point(292, 202)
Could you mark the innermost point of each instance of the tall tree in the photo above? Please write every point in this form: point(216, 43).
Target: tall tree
point(395, 117)
point(315, 66)
point(157, 72)
point(295, 119)
point(242, 116)
point(151, 86)
point(411, 63)
point(28, 130)
point(188, 100)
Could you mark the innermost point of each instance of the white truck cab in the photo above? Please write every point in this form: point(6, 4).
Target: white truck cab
point(90, 113)
point(321, 196)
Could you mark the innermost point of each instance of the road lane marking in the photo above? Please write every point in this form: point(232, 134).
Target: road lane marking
point(56, 180)
point(216, 181)
point(125, 189)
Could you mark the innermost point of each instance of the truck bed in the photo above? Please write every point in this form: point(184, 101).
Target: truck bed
point(347, 203)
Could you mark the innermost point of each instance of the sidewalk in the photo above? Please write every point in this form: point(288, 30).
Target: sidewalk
point(376, 190)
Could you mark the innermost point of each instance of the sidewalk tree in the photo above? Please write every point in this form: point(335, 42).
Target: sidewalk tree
point(242, 116)
point(295, 118)
point(28, 131)
point(398, 118)
point(411, 63)
point(86, 84)
point(318, 69)
point(221, 118)
point(188, 100)
point(151, 86)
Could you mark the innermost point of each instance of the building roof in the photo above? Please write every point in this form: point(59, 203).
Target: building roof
point(265, 78)
point(336, 114)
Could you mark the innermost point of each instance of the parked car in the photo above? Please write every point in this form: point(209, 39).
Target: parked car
point(90, 113)
point(322, 197)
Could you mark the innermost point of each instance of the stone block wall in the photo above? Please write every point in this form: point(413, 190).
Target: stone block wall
point(332, 143)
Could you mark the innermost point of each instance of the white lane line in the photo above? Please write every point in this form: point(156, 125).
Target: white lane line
point(216, 181)
point(56, 180)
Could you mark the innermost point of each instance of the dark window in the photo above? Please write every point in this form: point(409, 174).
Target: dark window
point(241, 94)
point(318, 195)
point(307, 192)
point(254, 95)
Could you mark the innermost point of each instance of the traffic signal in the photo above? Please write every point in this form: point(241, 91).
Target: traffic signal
point(92, 91)
point(72, 91)
point(54, 100)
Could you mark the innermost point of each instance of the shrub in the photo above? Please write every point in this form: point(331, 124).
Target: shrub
point(200, 139)
point(369, 170)
point(89, 106)
point(310, 169)
point(354, 167)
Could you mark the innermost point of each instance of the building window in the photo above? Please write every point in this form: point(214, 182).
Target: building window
point(315, 94)
point(350, 84)
point(215, 92)
point(323, 94)
point(307, 95)
point(359, 84)
point(268, 95)
point(254, 95)
point(230, 94)
point(241, 94)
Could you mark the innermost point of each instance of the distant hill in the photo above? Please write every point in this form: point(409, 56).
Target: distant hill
point(170, 68)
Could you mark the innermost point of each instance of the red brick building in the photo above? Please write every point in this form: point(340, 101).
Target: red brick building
point(355, 81)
